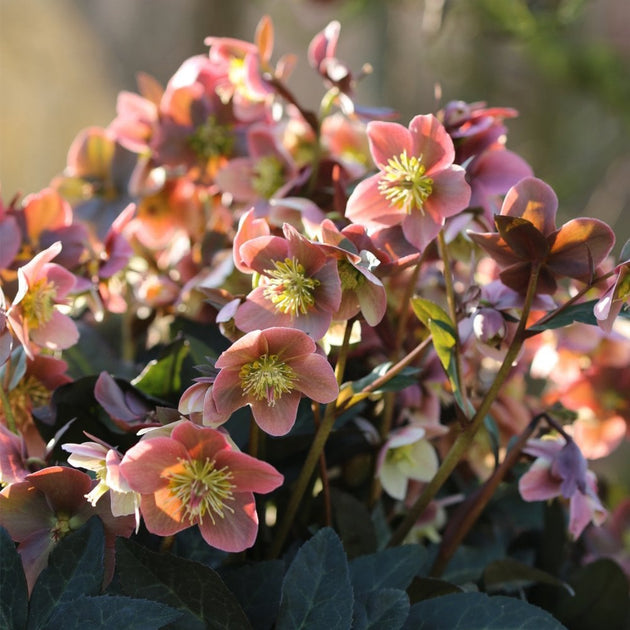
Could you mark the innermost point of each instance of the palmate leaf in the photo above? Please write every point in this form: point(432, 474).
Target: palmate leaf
point(191, 588)
point(316, 592)
point(75, 569)
point(13, 591)
point(477, 611)
point(111, 611)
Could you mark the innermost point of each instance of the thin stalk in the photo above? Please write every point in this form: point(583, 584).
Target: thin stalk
point(8, 412)
point(465, 438)
point(323, 472)
point(254, 438)
point(452, 307)
point(313, 456)
point(469, 512)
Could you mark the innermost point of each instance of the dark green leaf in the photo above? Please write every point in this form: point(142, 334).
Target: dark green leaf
point(257, 588)
point(425, 588)
point(162, 377)
point(13, 590)
point(316, 592)
point(111, 611)
point(477, 611)
point(582, 313)
point(468, 562)
point(407, 376)
point(386, 609)
point(353, 523)
point(75, 568)
point(509, 574)
point(601, 598)
point(187, 586)
point(394, 567)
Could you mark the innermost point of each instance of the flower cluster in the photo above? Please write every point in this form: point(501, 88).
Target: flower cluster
point(259, 290)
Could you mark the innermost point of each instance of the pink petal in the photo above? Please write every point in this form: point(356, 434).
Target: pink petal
point(236, 531)
point(227, 392)
point(261, 252)
point(200, 442)
point(23, 511)
point(534, 200)
point(144, 464)
point(34, 552)
point(420, 229)
point(279, 418)
point(59, 333)
point(316, 378)
point(387, 140)
point(432, 142)
point(158, 521)
point(366, 206)
point(537, 484)
point(64, 487)
point(248, 473)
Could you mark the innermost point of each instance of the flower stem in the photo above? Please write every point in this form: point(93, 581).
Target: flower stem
point(465, 438)
point(313, 456)
point(5, 404)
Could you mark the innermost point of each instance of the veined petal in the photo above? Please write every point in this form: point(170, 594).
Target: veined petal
point(533, 200)
point(420, 229)
point(248, 473)
point(23, 511)
point(368, 207)
point(450, 195)
point(537, 484)
point(277, 419)
point(388, 139)
point(58, 333)
point(432, 142)
point(162, 513)
point(316, 379)
point(237, 530)
point(261, 252)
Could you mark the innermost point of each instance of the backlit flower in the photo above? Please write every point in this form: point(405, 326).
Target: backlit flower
point(527, 236)
point(34, 316)
point(195, 477)
point(270, 370)
point(417, 185)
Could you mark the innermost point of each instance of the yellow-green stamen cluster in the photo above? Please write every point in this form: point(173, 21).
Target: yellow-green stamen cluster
point(400, 454)
point(202, 489)
point(38, 303)
point(268, 177)
point(211, 139)
point(404, 184)
point(289, 289)
point(267, 378)
point(351, 279)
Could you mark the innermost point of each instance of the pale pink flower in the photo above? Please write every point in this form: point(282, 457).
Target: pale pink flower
point(13, 457)
point(270, 370)
point(560, 470)
point(34, 317)
point(417, 185)
point(195, 477)
point(299, 284)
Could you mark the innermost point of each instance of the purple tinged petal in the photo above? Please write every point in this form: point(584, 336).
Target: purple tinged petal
point(387, 140)
point(277, 419)
point(420, 229)
point(58, 333)
point(23, 511)
point(316, 378)
point(366, 206)
point(533, 200)
point(537, 484)
point(432, 142)
point(261, 252)
point(451, 193)
point(248, 473)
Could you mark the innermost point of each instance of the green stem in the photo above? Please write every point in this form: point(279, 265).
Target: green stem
point(461, 523)
point(313, 456)
point(465, 438)
point(8, 412)
point(452, 305)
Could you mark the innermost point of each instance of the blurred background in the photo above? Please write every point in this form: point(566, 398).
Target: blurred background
point(564, 64)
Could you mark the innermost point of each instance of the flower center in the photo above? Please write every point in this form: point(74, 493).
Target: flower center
point(267, 378)
point(267, 176)
point(400, 454)
point(289, 288)
point(404, 184)
point(211, 139)
point(38, 303)
point(351, 279)
point(202, 489)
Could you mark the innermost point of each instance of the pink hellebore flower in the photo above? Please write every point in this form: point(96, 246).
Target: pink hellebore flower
point(270, 370)
point(47, 505)
point(406, 455)
point(197, 402)
point(33, 316)
point(299, 284)
point(417, 185)
point(195, 477)
point(527, 236)
point(560, 470)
